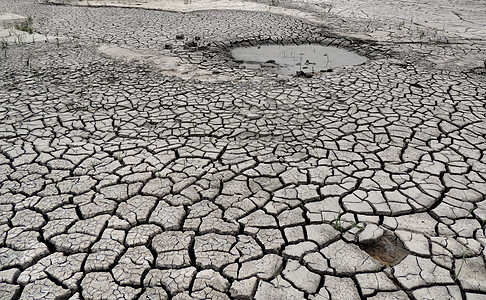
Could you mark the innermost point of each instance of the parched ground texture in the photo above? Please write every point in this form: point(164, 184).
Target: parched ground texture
point(135, 164)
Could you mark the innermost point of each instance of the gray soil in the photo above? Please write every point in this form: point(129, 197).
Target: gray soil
point(138, 160)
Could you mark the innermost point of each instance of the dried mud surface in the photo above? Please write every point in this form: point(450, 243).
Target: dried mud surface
point(139, 161)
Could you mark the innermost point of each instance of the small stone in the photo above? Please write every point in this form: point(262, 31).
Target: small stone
point(190, 44)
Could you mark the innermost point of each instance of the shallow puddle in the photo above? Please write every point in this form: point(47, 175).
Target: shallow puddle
point(290, 59)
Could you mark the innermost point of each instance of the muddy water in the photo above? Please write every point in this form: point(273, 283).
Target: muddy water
point(289, 59)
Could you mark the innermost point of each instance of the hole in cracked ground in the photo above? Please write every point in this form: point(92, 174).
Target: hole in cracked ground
point(388, 249)
point(295, 59)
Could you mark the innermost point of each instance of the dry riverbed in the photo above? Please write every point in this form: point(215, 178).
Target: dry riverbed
point(140, 160)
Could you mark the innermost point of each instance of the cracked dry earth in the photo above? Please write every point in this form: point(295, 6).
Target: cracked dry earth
point(120, 179)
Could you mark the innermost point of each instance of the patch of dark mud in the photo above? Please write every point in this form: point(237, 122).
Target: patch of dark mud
point(388, 249)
